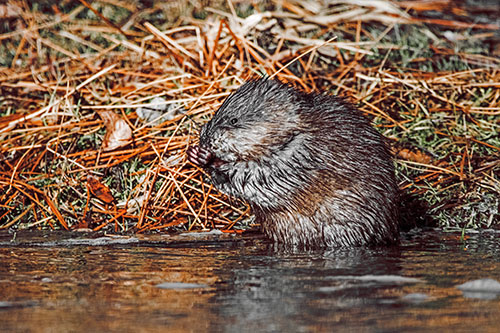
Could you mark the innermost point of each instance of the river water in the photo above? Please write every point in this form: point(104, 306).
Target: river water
point(69, 282)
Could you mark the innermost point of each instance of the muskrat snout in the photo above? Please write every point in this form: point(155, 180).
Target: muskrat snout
point(200, 156)
point(203, 157)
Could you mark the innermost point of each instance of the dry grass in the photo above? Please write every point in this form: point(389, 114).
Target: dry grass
point(100, 101)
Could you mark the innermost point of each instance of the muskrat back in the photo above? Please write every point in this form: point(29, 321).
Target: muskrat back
point(311, 166)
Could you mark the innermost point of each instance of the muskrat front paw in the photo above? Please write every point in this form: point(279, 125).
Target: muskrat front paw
point(199, 156)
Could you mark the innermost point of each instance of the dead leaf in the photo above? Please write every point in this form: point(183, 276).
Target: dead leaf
point(158, 111)
point(118, 132)
point(416, 156)
point(10, 10)
point(425, 5)
point(6, 120)
point(99, 190)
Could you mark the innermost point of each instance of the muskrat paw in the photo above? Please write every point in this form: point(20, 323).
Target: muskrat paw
point(199, 156)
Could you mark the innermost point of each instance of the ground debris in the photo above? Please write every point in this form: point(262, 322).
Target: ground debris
point(118, 91)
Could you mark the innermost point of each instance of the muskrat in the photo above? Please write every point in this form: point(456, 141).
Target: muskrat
point(310, 165)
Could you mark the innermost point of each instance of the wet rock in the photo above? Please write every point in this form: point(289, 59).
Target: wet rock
point(380, 278)
point(180, 285)
point(15, 305)
point(415, 297)
point(481, 288)
point(195, 234)
point(100, 241)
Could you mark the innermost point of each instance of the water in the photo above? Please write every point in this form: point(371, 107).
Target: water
point(82, 283)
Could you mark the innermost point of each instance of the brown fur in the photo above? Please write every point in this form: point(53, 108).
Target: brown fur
point(311, 166)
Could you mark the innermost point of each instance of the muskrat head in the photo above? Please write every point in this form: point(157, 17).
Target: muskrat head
point(259, 118)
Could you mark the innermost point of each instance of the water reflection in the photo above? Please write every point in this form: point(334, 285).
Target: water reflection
point(245, 285)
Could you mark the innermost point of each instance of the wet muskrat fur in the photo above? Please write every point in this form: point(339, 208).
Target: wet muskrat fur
point(311, 166)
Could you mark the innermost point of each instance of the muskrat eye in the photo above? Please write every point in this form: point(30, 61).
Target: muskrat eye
point(233, 121)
